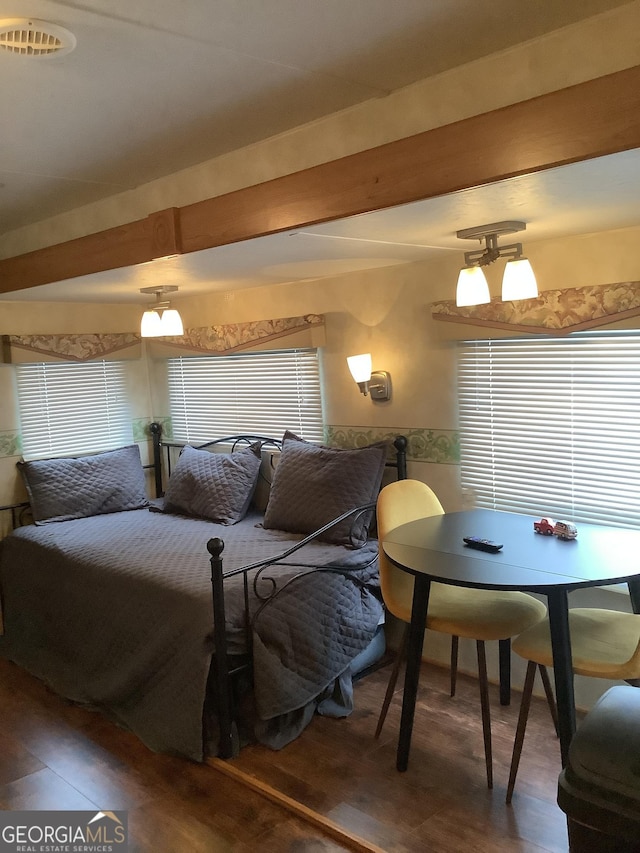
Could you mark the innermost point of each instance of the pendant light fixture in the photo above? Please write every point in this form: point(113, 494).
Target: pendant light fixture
point(160, 320)
point(519, 281)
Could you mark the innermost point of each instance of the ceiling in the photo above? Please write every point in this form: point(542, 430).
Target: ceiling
point(156, 86)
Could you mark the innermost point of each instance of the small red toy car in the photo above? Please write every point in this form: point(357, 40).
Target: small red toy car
point(545, 526)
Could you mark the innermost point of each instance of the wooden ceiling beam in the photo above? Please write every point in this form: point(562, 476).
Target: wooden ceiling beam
point(601, 116)
point(590, 119)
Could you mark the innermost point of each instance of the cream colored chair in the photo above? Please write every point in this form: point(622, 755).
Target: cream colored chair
point(604, 644)
point(479, 615)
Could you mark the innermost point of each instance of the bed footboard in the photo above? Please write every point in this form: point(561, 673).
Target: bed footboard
point(228, 744)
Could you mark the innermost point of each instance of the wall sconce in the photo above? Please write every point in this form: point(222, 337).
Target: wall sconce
point(376, 383)
point(160, 321)
point(518, 281)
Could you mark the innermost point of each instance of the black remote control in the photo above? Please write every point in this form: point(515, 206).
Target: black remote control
point(482, 544)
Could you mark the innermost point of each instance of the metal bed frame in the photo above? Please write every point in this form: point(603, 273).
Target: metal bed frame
point(225, 668)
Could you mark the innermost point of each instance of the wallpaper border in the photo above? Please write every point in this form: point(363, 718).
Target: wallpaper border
point(437, 446)
point(424, 445)
point(10, 444)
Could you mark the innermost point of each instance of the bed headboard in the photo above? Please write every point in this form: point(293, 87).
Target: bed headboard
point(164, 450)
point(164, 453)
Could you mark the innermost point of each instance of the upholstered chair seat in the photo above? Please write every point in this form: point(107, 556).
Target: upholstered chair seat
point(604, 644)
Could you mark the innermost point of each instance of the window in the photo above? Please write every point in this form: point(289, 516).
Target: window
point(551, 426)
point(72, 408)
point(261, 393)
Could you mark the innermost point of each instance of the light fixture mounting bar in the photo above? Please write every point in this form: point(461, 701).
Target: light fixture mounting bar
point(495, 229)
point(482, 257)
point(159, 289)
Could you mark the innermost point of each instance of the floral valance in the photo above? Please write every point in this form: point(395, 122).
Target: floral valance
point(86, 347)
point(306, 330)
point(553, 311)
point(234, 337)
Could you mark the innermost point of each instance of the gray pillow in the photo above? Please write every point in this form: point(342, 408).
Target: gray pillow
point(215, 486)
point(80, 486)
point(313, 484)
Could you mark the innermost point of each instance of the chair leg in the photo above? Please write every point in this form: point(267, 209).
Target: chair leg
point(546, 683)
point(504, 651)
point(393, 678)
point(486, 715)
point(521, 727)
point(454, 664)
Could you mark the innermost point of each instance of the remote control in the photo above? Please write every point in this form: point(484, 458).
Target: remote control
point(482, 544)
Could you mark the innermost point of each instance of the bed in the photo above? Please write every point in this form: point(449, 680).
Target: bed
point(221, 612)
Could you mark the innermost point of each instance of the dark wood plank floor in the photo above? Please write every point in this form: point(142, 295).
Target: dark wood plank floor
point(54, 755)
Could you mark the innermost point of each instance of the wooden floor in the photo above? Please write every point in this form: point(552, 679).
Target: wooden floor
point(54, 755)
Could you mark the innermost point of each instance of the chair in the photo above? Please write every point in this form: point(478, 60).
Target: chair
point(604, 644)
point(479, 615)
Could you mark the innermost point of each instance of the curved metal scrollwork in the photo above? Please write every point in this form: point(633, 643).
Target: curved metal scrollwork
point(20, 514)
point(273, 589)
point(345, 571)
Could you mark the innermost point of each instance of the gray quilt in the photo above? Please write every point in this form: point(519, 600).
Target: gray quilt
point(115, 611)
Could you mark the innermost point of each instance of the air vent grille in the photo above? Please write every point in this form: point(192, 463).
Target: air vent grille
point(28, 37)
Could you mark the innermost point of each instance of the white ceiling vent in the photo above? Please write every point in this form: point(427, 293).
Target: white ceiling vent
point(29, 37)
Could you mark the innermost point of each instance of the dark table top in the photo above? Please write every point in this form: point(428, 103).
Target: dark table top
point(528, 561)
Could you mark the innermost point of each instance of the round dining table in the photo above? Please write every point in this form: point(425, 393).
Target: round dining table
point(433, 549)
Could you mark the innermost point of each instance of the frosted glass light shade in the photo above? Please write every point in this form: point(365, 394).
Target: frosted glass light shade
point(171, 322)
point(150, 324)
point(472, 287)
point(360, 366)
point(519, 281)
point(156, 325)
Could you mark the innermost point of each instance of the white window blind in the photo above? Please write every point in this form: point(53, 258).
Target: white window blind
point(551, 426)
point(261, 393)
point(72, 408)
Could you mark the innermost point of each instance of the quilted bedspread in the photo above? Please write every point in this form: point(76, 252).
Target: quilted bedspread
point(115, 611)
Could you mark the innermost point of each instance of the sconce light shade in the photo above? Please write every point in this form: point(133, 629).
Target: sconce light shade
point(519, 281)
point(360, 367)
point(377, 383)
point(472, 287)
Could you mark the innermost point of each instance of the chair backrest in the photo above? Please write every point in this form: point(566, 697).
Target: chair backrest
point(399, 503)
